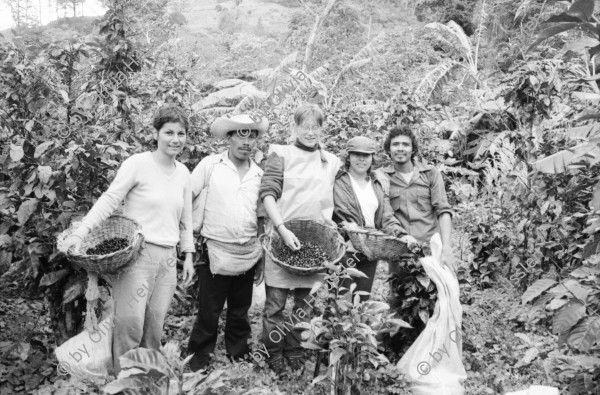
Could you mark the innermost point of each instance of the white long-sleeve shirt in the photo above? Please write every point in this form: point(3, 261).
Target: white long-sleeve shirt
point(230, 212)
point(161, 203)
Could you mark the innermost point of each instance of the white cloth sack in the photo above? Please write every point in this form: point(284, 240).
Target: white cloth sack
point(88, 354)
point(537, 390)
point(433, 363)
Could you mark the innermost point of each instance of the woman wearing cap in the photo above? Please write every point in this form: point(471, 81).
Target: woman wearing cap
point(156, 190)
point(359, 200)
point(230, 229)
point(298, 184)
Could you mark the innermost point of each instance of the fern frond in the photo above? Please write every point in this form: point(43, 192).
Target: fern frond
point(372, 48)
point(319, 72)
point(286, 63)
point(434, 81)
point(215, 111)
point(457, 33)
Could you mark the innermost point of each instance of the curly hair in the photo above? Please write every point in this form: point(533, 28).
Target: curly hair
point(402, 130)
point(170, 113)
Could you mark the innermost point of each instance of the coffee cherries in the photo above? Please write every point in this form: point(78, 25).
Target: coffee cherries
point(308, 256)
point(108, 246)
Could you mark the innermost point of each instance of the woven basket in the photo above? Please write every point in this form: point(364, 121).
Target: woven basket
point(376, 245)
point(306, 230)
point(115, 226)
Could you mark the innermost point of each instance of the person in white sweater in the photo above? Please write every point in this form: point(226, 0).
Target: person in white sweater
point(156, 191)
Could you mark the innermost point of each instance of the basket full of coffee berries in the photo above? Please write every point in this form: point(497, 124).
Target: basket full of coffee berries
point(319, 245)
point(108, 248)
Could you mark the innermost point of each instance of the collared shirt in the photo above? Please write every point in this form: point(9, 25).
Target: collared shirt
point(231, 203)
point(418, 203)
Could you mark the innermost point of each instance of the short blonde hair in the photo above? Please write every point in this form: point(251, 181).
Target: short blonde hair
point(309, 112)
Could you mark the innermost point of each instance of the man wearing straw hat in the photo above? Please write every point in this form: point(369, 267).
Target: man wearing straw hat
point(230, 229)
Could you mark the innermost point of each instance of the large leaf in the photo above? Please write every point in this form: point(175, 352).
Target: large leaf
point(74, 290)
point(559, 28)
point(567, 317)
point(136, 385)
point(536, 289)
point(434, 80)
point(453, 30)
point(44, 173)
point(145, 359)
point(40, 149)
point(16, 152)
point(582, 9)
point(355, 272)
point(26, 209)
point(558, 163)
point(51, 278)
point(564, 17)
point(581, 45)
point(335, 356)
point(585, 334)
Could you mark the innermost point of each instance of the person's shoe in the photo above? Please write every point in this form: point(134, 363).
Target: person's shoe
point(198, 362)
point(278, 367)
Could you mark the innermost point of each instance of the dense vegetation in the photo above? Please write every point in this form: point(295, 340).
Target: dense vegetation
point(506, 97)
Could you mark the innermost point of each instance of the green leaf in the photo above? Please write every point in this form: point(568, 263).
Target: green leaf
point(424, 280)
point(581, 45)
point(73, 291)
point(51, 278)
point(135, 385)
point(559, 162)
point(355, 272)
point(568, 316)
point(40, 149)
point(564, 17)
point(585, 334)
point(26, 209)
point(44, 173)
point(556, 29)
point(310, 346)
point(536, 289)
point(64, 95)
point(16, 152)
point(145, 359)
point(556, 304)
point(582, 9)
point(320, 378)
point(335, 356)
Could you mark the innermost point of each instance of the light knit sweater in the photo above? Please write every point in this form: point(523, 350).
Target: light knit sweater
point(161, 203)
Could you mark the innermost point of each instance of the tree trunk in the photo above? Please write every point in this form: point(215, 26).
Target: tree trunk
point(310, 46)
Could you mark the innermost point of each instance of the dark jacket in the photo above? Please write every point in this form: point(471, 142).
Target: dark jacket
point(346, 206)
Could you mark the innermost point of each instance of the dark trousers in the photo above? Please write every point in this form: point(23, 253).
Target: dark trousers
point(212, 293)
point(279, 335)
point(369, 268)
